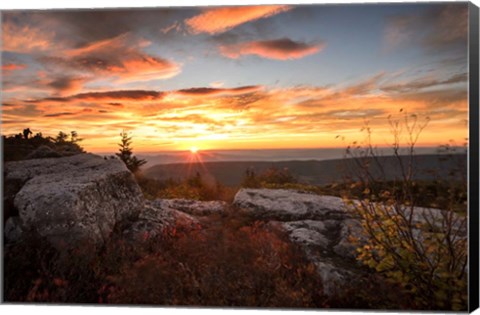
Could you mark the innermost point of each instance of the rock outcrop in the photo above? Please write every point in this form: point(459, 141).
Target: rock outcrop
point(155, 218)
point(288, 205)
point(319, 225)
point(70, 199)
point(322, 227)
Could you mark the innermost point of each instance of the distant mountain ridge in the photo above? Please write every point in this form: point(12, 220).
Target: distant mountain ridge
point(231, 173)
point(259, 155)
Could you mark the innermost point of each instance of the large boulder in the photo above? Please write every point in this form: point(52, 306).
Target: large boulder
point(71, 199)
point(289, 205)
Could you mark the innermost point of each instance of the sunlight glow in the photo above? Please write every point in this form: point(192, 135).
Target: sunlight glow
point(194, 150)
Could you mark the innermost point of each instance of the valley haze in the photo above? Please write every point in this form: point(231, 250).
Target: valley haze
point(265, 155)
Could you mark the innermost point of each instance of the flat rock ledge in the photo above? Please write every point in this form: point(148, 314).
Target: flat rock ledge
point(289, 205)
point(71, 199)
point(322, 226)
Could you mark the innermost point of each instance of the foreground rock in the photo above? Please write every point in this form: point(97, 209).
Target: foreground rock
point(289, 205)
point(162, 215)
point(70, 199)
point(323, 227)
point(319, 225)
point(155, 219)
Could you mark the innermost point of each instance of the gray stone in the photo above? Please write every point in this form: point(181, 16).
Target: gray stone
point(289, 205)
point(155, 219)
point(344, 246)
point(308, 233)
point(72, 199)
point(13, 230)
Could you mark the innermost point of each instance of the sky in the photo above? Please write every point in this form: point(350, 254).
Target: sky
point(251, 77)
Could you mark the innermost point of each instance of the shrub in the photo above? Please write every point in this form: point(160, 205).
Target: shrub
point(221, 265)
point(232, 261)
point(191, 188)
point(271, 176)
point(423, 252)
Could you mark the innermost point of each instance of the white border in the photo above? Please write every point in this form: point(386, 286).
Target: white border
point(74, 310)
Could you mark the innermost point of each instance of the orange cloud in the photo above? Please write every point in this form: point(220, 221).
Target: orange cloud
point(13, 67)
point(119, 58)
point(245, 116)
point(25, 39)
point(62, 114)
point(219, 20)
point(280, 49)
point(67, 85)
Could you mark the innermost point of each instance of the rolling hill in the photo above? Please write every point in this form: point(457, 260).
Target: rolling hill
point(231, 173)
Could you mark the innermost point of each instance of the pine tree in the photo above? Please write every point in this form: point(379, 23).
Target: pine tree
point(126, 153)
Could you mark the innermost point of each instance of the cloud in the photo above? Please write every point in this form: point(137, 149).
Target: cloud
point(67, 85)
point(366, 86)
point(51, 30)
point(424, 83)
point(113, 98)
point(204, 91)
point(59, 114)
point(143, 95)
point(25, 38)
point(354, 114)
point(455, 98)
point(193, 119)
point(119, 58)
point(12, 67)
point(280, 49)
point(219, 20)
point(23, 110)
point(127, 95)
point(255, 116)
point(217, 84)
point(243, 101)
point(440, 27)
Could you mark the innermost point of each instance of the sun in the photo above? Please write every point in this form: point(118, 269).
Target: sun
point(194, 150)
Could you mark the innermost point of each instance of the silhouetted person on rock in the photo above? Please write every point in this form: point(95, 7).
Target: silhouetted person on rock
point(26, 133)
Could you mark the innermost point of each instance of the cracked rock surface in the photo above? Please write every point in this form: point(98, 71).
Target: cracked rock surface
point(70, 199)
